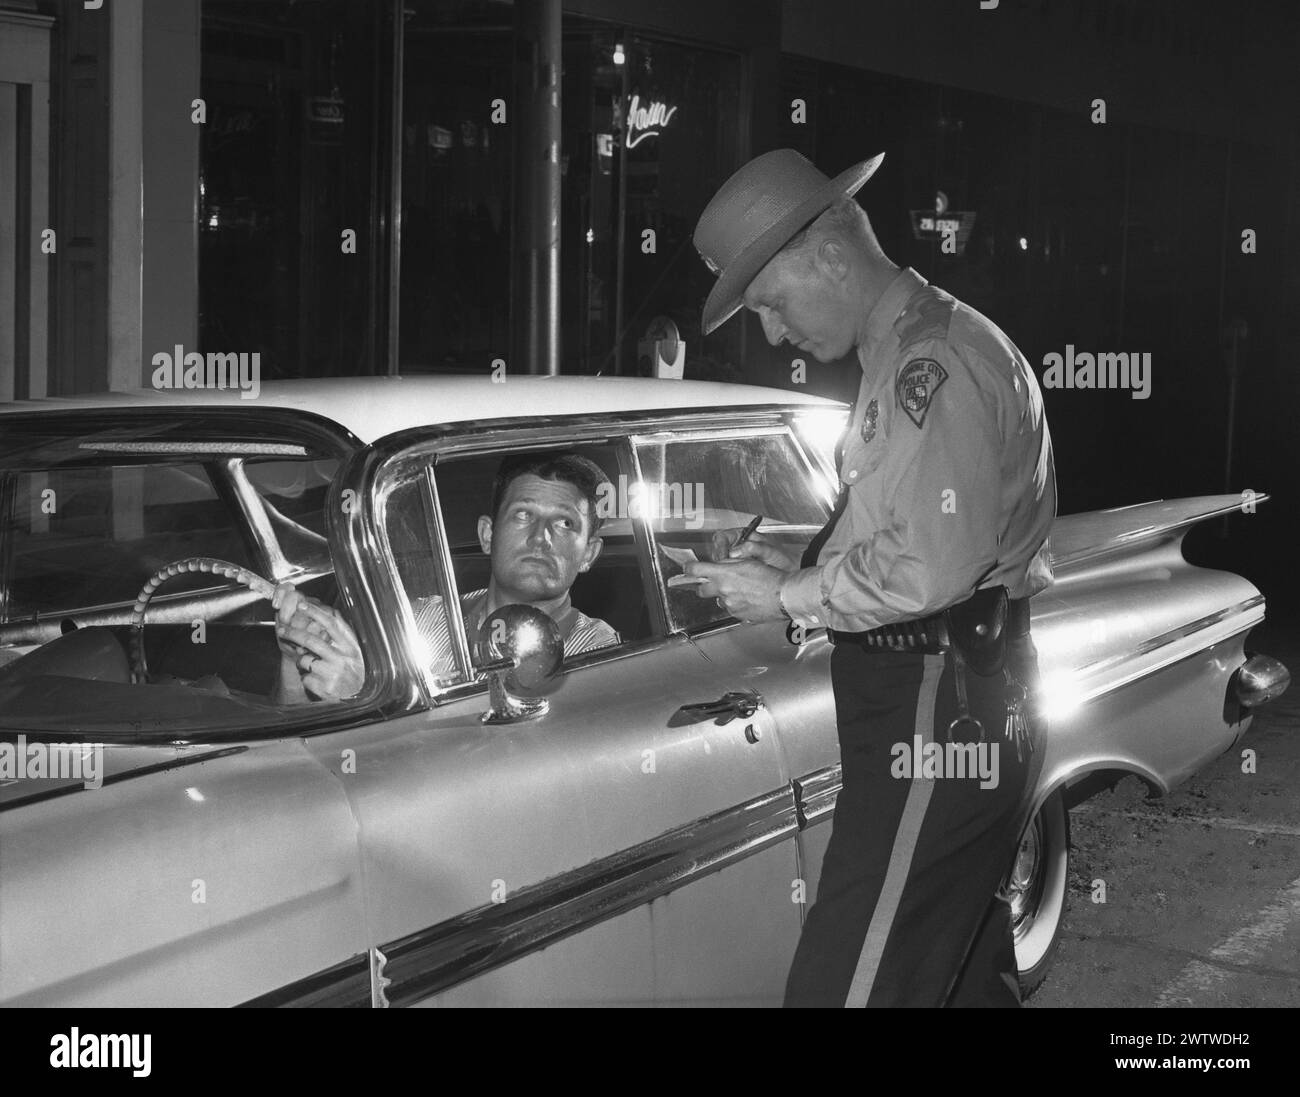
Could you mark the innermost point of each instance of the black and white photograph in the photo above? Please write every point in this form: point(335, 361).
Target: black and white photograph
point(638, 503)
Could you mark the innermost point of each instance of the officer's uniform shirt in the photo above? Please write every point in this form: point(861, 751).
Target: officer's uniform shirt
point(947, 466)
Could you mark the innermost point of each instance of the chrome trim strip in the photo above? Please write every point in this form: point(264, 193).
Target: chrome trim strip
point(372, 594)
point(647, 547)
point(1115, 687)
point(480, 940)
point(317, 433)
point(815, 794)
point(488, 937)
point(446, 568)
point(346, 984)
point(478, 434)
point(706, 434)
point(205, 449)
point(112, 779)
point(1165, 639)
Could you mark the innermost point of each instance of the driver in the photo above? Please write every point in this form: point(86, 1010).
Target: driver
point(541, 533)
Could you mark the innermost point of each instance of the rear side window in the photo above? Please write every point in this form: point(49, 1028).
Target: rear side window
point(85, 537)
point(696, 487)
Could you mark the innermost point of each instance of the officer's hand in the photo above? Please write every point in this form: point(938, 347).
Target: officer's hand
point(758, 547)
point(748, 589)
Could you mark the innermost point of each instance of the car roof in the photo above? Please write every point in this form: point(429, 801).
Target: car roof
point(371, 407)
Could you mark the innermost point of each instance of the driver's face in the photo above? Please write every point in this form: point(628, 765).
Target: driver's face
point(540, 539)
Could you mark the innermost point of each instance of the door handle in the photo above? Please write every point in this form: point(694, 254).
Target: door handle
point(737, 704)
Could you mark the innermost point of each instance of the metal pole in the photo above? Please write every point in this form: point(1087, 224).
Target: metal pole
point(536, 123)
point(621, 217)
point(1227, 337)
point(394, 363)
point(1234, 373)
point(1123, 238)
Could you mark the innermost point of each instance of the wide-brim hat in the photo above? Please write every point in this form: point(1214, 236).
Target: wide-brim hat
point(756, 213)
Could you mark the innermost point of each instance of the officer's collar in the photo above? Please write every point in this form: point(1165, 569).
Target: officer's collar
point(880, 321)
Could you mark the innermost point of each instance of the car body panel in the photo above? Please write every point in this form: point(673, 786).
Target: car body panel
point(403, 852)
point(456, 815)
point(183, 885)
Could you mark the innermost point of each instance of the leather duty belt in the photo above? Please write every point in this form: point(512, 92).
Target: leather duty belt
point(925, 636)
point(986, 620)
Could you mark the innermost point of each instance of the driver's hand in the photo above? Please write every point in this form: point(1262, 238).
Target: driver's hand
point(759, 547)
point(317, 646)
point(289, 603)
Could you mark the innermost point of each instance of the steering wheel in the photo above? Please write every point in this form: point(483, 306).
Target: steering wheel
point(139, 671)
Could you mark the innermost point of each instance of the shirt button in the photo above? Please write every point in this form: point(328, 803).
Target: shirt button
point(853, 475)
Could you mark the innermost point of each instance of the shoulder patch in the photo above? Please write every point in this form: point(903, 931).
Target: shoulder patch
point(917, 383)
point(927, 319)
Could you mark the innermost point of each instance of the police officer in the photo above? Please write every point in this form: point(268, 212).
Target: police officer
point(922, 578)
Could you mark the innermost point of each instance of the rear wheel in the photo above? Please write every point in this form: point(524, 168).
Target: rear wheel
point(1037, 889)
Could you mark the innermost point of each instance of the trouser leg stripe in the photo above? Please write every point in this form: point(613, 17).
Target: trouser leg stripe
point(900, 859)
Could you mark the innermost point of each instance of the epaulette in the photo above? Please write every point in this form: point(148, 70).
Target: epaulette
point(927, 317)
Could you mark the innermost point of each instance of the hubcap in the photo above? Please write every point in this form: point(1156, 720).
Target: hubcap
point(1024, 888)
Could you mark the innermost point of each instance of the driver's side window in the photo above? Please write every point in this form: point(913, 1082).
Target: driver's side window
point(528, 526)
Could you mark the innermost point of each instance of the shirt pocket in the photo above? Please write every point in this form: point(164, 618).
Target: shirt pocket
point(862, 458)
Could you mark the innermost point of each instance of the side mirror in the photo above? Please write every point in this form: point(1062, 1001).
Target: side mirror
point(524, 652)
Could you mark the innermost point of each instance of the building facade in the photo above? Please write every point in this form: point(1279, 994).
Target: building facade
point(337, 186)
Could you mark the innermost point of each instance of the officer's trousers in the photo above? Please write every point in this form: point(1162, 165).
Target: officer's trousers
point(908, 909)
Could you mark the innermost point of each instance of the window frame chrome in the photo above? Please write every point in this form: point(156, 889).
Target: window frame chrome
point(389, 461)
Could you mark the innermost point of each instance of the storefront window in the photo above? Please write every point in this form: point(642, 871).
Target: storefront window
point(456, 180)
point(292, 192)
point(298, 155)
point(676, 108)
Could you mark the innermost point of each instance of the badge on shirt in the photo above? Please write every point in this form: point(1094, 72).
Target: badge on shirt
point(918, 381)
point(869, 417)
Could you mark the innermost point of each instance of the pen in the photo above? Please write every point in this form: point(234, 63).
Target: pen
point(745, 533)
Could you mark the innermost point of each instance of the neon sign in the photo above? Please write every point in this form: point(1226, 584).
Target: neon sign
point(646, 121)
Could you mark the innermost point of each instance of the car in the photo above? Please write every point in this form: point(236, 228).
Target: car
point(643, 825)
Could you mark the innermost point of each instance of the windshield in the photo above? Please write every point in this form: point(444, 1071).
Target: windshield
point(134, 573)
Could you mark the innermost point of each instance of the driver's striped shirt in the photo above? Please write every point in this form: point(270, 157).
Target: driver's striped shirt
point(579, 632)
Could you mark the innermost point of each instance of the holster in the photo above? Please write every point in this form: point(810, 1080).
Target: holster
point(977, 628)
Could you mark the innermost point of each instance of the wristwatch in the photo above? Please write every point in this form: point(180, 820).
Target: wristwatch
point(780, 601)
